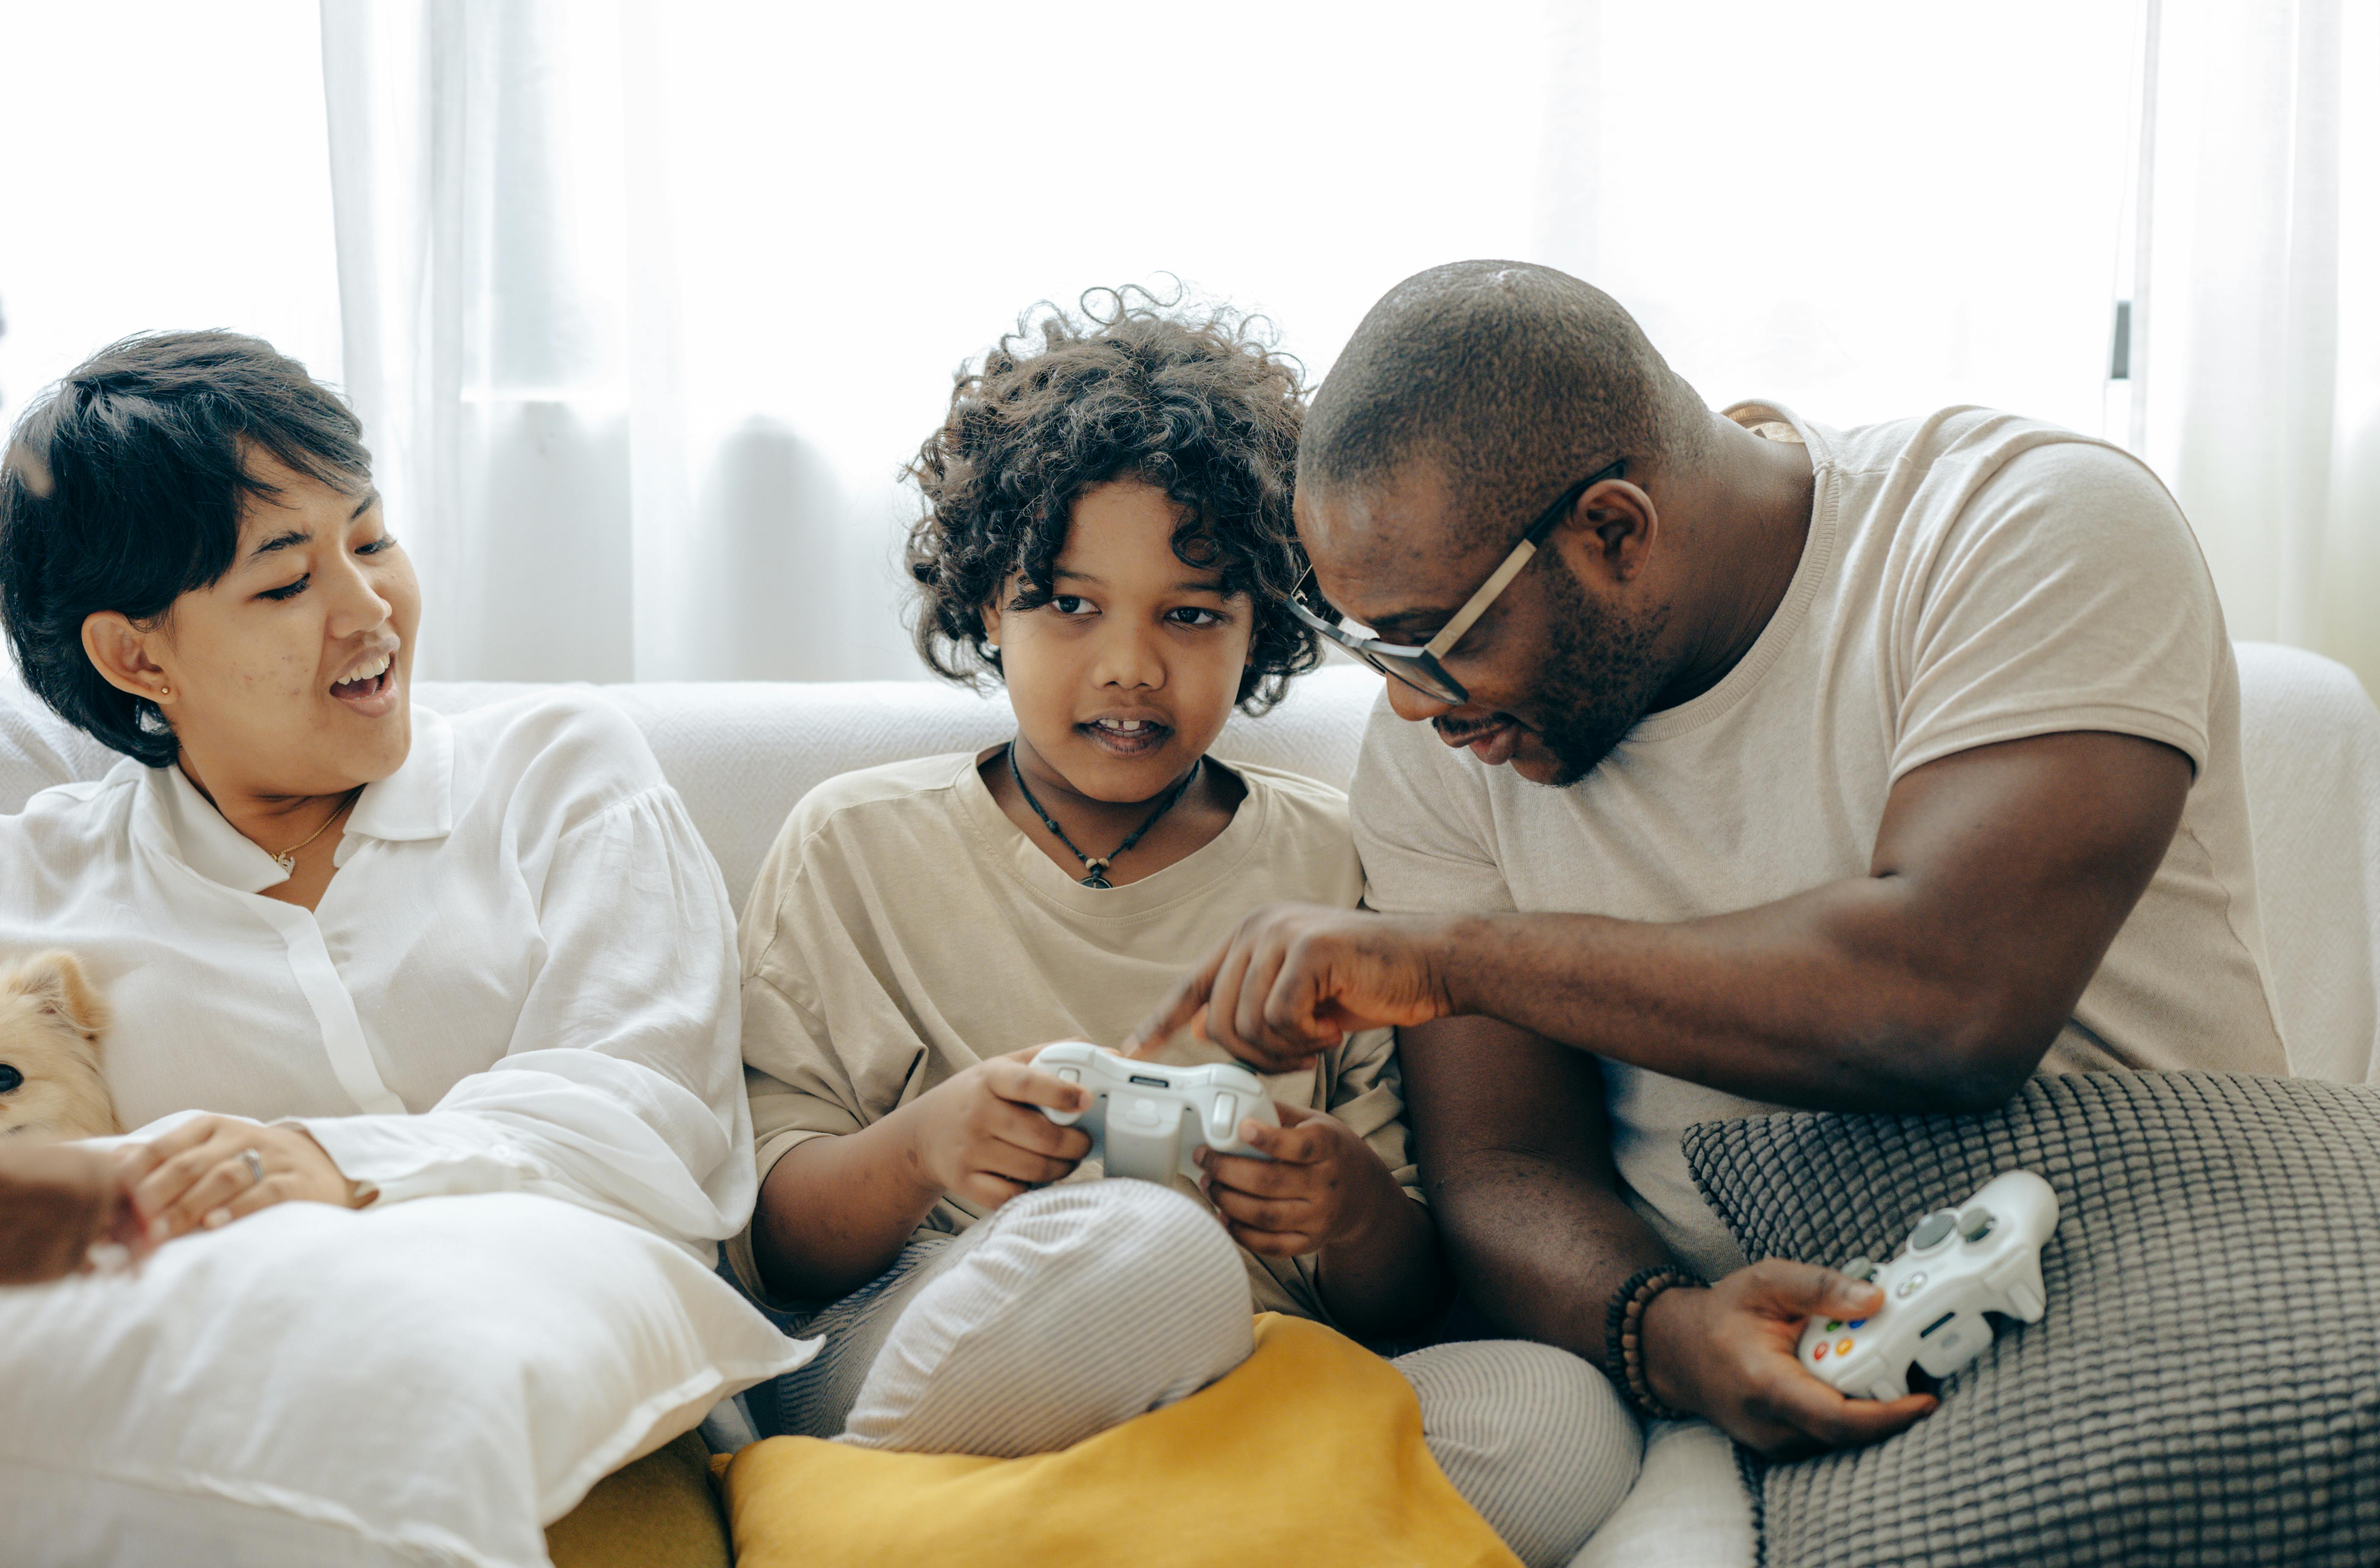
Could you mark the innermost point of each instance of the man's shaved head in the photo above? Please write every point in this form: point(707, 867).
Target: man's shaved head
point(1511, 380)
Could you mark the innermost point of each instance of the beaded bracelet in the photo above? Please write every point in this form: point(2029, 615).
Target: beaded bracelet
point(1624, 1336)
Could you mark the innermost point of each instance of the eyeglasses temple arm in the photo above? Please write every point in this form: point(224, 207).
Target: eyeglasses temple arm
point(1476, 606)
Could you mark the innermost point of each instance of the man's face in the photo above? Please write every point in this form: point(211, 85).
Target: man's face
point(1560, 667)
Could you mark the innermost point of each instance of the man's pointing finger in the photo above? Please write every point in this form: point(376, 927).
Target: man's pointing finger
point(1180, 1009)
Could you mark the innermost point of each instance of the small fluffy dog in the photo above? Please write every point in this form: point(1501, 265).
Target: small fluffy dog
point(50, 1023)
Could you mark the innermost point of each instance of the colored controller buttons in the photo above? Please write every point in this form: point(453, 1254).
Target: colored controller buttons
point(1933, 1231)
point(1857, 1323)
point(1909, 1286)
point(1820, 1353)
point(1842, 1347)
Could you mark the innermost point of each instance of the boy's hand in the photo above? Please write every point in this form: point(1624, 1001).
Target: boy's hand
point(981, 1135)
point(1322, 1185)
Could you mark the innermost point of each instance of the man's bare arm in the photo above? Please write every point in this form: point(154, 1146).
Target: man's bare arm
point(1515, 1152)
point(1999, 877)
point(1936, 982)
point(1514, 1145)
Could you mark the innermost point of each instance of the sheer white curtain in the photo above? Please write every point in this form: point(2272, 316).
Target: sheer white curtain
point(2258, 297)
point(647, 304)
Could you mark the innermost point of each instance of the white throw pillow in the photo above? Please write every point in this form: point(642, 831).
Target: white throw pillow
point(431, 1382)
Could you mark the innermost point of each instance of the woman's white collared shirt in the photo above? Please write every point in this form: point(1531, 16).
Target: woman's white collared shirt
point(521, 978)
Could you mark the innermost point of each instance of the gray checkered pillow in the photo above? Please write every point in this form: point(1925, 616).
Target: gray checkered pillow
point(2206, 1389)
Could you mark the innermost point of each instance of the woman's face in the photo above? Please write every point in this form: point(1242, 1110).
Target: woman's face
point(290, 675)
point(1124, 679)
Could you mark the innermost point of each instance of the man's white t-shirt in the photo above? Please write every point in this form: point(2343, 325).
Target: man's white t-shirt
point(1968, 578)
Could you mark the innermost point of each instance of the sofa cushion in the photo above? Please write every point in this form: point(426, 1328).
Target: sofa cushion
point(2205, 1387)
point(741, 753)
point(661, 1512)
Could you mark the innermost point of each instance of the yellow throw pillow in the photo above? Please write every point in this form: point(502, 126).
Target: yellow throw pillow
point(1310, 1451)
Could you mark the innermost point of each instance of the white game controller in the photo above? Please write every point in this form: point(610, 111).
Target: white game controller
point(1960, 1263)
point(1146, 1120)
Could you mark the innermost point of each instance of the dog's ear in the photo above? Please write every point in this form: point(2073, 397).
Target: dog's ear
point(55, 982)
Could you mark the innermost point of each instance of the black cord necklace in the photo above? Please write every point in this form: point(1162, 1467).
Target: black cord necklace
point(1098, 869)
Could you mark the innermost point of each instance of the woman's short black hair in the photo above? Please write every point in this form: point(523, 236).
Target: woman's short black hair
point(1198, 403)
point(122, 490)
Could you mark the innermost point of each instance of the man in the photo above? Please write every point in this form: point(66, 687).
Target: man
point(1857, 771)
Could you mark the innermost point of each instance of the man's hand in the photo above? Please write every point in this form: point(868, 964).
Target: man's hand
point(980, 1133)
point(57, 1201)
point(1321, 1188)
point(1729, 1353)
point(1295, 979)
point(213, 1170)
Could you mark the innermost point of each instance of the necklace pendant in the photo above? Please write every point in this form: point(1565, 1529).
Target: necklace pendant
point(287, 861)
point(1098, 874)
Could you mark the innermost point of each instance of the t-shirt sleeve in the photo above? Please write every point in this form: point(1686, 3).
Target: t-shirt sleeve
point(1422, 824)
point(2067, 593)
point(805, 960)
point(1367, 1093)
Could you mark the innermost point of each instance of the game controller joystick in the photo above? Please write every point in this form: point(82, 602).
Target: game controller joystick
point(1146, 1120)
point(1960, 1263)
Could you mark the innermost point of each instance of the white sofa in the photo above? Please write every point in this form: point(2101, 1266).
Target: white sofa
point(741, 754)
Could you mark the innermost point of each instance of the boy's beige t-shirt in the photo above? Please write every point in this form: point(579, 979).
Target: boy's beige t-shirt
point(1968, 578)
point(902, 930)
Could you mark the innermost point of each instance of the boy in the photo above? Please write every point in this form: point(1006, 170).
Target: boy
point(1108, 532)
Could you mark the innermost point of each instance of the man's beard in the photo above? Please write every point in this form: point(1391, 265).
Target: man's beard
point(1599, 677)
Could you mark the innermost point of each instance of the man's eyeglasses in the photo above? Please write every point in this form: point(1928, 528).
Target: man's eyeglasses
point(1419, 667)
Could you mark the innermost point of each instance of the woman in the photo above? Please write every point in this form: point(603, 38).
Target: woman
point(369, 954)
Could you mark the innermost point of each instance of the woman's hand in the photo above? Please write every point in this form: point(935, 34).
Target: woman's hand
point(213, 1170)
point(1730, 1353)
point(980, 1133)
point(57, 1202)
point(1322, 1185)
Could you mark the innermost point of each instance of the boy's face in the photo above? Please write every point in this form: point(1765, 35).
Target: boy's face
point(1124, 679)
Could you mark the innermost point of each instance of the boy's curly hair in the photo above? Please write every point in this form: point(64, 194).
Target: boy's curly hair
point(1201, 405)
